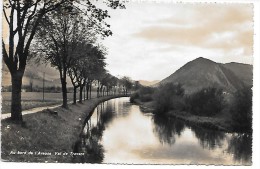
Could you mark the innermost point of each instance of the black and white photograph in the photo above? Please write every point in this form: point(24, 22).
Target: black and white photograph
point(116, 82)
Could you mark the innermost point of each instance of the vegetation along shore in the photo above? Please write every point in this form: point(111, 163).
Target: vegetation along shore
point(207, 107)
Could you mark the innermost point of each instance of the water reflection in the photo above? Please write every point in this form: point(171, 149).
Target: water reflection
point(117, 132)
point(90, 146)
point(167, 128)
point(89, 142)
point(241, 146)
point(209, 139)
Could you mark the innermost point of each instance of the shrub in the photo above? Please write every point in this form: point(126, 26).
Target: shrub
point(168, 97)
point(146, 97)
point(134, 96)
point(241, 109)
point(206, 102)
point(146, 90)
point(145, 94)
point(177, 103)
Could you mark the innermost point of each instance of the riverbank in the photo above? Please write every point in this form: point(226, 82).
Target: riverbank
point(48, 135)
point(216, 123)
point(146, 107)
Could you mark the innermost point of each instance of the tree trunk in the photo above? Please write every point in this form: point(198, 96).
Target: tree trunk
point(16, 106)
point(90, 89)
point(31, 86)
point(101, 91)
point(74, 94)
point(80, 93)
point(98, 90)
point(84, 91)
point(87, 86)
point(64, 92)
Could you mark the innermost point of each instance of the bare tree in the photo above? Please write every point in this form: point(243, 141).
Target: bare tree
point(23, 18)
point(59, 40)
point(62, 39)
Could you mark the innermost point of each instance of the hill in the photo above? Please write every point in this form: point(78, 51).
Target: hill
point(148, 83)
point(243, 71)
point(34, 72)
point(202, 72)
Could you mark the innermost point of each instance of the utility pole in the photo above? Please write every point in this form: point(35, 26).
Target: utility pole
point(43, 80)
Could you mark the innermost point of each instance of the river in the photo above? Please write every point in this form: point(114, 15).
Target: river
point(118, 132)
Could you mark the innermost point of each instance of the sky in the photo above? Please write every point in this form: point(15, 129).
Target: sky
point(152, 40)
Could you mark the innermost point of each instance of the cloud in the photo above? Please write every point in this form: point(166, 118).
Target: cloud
point(225, 27)
point(151, 40)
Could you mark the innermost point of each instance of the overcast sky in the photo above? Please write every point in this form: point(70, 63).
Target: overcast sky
point(152, 40)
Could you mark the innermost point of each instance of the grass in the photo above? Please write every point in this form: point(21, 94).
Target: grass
point(36, 96)
point(28, 104)
point(46, 133)
point(34, 99)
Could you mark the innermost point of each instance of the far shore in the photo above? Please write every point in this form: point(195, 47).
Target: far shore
point(48, 135)
point(214, 123)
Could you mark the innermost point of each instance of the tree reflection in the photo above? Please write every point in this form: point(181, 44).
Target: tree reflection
point(89, 142)
point(90, 146)
point(240, 145)
point(167, 128)
point(209, 139)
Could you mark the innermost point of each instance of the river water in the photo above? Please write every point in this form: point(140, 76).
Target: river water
point(118, 132)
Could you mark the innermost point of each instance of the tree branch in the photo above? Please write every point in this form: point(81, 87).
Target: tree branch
point(6, 17)
point(11, 34)
point(29, 20)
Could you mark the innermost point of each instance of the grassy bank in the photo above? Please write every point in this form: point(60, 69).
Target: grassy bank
point(46, 136)
point(146, 107)
point(215, 123)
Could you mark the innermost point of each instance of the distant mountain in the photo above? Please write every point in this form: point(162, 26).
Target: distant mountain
point(202, 72)
point(148, 83)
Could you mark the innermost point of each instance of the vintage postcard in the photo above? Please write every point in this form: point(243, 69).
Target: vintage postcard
point(128, 82)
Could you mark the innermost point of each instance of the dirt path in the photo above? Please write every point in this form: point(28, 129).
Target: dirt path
point(31, 111)
point(34, 110)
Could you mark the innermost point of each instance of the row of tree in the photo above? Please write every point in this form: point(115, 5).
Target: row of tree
point(63, 33)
